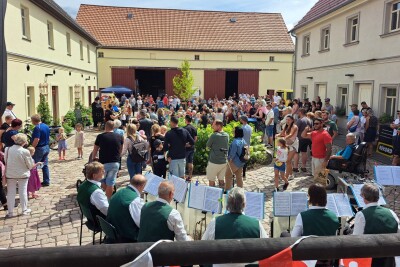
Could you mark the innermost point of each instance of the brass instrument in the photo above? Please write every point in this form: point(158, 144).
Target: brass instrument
point(198, 233)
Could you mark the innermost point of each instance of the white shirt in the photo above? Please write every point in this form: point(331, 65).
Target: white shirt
point(8, 112)
point(209, 234)
point(277, 99)
point(359, 221)
point(20, 162)
point(99, 198)
point(298, 225)
point(135, 207)
point(282, 154)
point(269, 116)
point(397, 121)
point(175, 223)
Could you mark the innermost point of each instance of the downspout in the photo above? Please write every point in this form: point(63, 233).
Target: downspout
point(97, 69)
point(3, 59)
point(294, 64)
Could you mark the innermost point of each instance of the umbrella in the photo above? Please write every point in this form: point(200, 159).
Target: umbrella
point(117, 89)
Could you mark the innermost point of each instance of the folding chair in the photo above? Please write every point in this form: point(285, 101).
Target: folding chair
point(91, 223)
point(111, 235)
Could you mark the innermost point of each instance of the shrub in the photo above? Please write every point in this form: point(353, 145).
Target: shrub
point(71, 118)
point(258, 152)
point(43, 110)
point(341, 111)
point(385, 118)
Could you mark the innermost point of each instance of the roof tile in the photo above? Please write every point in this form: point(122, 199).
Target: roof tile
point(172, 29)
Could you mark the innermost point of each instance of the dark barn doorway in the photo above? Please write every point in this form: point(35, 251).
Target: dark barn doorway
point(151, 82)
point(231, 83)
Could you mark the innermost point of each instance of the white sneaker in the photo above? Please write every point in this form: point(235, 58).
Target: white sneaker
point(27, 212)
point(291, 177)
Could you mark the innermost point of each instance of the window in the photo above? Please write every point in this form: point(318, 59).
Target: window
point(272, 58)
point(352, 29)
point(389, 101)
point(100, 54)
point(68, 43)
point(306, 45)
point(25, 23)
point(50, 35)
point(304, 92)
point(71, 97)
point(88, 53)
point(395, 17)
point(325, 38)
point(196, 57)
point(342, 97)
point(81, 49)
point(30, 100)
point(77, 94)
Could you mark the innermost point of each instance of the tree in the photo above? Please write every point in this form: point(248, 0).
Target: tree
point(44, 110)
point(183, 84)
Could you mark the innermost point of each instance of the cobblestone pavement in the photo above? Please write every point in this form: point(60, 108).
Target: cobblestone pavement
point(55, 217)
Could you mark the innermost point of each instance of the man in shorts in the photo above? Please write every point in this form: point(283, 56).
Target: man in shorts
point(109, 146)
point(190, 148)
point(304, 143)
point(218, 145)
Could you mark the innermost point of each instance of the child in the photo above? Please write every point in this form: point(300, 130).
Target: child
point(34, 180)
point(163, 130)
point(79, 138)
point(159, 162)
point(280, 164)
point(62, 143)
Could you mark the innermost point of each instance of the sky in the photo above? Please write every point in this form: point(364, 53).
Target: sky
point(291, 10)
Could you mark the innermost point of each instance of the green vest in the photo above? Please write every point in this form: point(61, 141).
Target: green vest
point(236, 226)
point(379, 220)
point(153, 222)
point(320, 222)
point(85, 191)
point(119, 216)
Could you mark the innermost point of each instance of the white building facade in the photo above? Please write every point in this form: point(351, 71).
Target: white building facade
point(350, 53)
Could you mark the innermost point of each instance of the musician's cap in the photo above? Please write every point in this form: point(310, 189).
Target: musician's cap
point(10, 104)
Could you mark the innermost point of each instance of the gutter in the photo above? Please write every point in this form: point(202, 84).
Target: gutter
point(294, 64)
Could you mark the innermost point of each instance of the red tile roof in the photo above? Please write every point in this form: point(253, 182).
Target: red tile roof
point(320, 9)
point(170, 29)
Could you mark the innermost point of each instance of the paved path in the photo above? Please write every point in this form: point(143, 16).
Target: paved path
point(55, 217)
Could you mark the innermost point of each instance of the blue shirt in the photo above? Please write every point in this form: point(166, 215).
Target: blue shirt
point(41, 131)
point(235, 150)
point(351, 115)
point(7, 138)
point(346, 152)
point(119, 131)
point(247, 133)
point(276, 114)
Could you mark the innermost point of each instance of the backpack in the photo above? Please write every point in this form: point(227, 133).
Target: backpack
point(138, 150)
point(353, 128)
point(245, 155)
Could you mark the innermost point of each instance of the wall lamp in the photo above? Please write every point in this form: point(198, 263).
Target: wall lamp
point(87, 79)
point(310, 77)
point(48, 74)
point(349, 75)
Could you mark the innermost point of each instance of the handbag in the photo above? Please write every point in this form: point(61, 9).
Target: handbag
point(352, 129)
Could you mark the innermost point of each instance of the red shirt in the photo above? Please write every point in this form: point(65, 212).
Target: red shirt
point(319, 140)
point(165, 101)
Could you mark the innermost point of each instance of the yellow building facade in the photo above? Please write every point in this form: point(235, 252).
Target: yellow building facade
point(48, 53)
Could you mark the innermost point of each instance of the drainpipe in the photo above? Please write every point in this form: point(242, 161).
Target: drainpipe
point(3, 59)
point(294, 64)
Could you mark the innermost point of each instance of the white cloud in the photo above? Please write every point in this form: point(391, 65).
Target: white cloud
point(292, 10)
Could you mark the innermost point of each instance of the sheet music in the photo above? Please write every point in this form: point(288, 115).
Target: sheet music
point(342, 204)
point(196, 196)
point(153, 182)
point(180, 188)
point(384, 175)
point(356, 188)
point(255, 204)
point(212, 198)
point(282, 202)
point(331, 205)
point(298, 203)
point(396, 175)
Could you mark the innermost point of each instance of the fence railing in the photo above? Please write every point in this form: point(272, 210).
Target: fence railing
point(206, 252)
